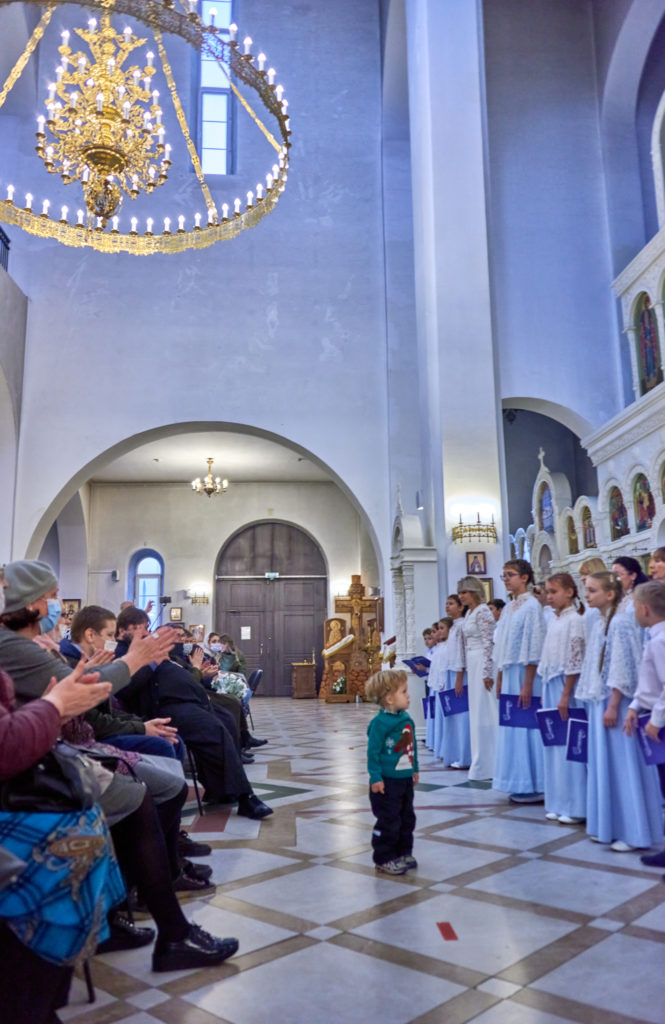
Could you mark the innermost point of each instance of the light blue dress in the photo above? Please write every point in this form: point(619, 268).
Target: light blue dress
point(518, 643)
point(623, 793)
point(454, 740)
point(563, 654)
point(435, 682)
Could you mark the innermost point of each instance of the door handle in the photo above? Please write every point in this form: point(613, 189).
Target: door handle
point(261, 648)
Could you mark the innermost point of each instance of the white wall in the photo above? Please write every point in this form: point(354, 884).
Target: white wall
point(13, 313)
point(188, 531)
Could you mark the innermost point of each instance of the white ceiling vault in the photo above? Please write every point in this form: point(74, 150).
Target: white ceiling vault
point(238, 457)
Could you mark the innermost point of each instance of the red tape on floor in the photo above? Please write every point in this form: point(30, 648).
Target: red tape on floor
point(447, 930)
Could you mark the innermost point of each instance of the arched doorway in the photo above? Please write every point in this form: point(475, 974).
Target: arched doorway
point(271, 597)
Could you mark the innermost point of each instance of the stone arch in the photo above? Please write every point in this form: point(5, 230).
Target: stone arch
point(131, 442)
point(561, 413)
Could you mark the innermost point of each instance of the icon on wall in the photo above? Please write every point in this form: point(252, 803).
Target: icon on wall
point(476, 563)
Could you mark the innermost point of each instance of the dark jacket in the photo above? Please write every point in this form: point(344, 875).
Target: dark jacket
point(104, 719)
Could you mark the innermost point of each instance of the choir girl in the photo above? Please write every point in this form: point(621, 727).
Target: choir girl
point(518, 646)
point(441, 682)
point(436, 680)
point(455, 742)
point(559, 668)
point(623, 795)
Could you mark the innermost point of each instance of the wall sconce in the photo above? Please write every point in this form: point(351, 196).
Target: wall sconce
point(475, 531)
point(199, 593)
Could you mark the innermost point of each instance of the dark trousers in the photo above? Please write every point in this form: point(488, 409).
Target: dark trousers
point(215, 750)
point(147, 744)
point(392, 836)
point(31, 989)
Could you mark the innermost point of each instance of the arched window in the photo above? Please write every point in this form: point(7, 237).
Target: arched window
point(145, 581)
point(215, 98)
point(573, 546)
point(618, 515)
point(645, 506)
point(545, 509)
point(649, 371)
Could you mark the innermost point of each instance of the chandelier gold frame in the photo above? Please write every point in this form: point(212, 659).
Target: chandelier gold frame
point(162, 17)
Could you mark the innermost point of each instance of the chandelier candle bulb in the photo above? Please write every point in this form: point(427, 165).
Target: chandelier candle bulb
point(41, 120)
point(136, 74)
point(58, 73)
point(49, 155)
point(271, 76)
point(262, 61)
point(285, 104)
point(279, 92)
point(247, 43)
point(115, 221)
point(51, 91)
point(146, 84)
point(236, 206)
point(126, 107)
point(100, 102)
point(181, 223)
point(10, 193)
point(127, 33)
point(150, 58)
point(259, 191)
point(45, 205)
point(28, 200)
point(64, 35)
point(92, 24)
point(167, 153)
point(79, 222)
point(275, 171)
point(197, 221)
point(233, 31)
point(134, 223)
point(64, 210)
point(167, 225)
point(73, 96)
point(86, 174)
point(269, 181)
point(149, 223)
point(250, 198)
point(225, 211)
point(110, 65)
point(81, 64)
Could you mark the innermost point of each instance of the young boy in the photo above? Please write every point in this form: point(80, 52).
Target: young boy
point(649, 603)
point(392, 762)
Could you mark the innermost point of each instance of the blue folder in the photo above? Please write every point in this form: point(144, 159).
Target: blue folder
point(578, 740)
point(452, 704)
point(420, 666)
point(553, 729)
point(653, 753)
point(425, 707)
point(432, 705)
point(512, 715)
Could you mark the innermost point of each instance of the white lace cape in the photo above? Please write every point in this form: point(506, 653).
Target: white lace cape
point(563, 650)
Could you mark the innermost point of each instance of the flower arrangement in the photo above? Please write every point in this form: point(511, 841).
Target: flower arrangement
point(339, 686)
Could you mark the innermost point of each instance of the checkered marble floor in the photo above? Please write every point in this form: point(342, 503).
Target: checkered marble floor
point(510, 919)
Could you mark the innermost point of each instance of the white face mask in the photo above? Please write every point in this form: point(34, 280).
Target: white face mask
point(110, 645)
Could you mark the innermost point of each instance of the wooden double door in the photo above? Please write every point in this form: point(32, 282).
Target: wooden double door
point(275, 619)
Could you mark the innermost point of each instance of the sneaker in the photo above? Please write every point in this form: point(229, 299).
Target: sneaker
point(409, 862)
point(527, 798)
point(552, 816)
point(187, 847)
point(565, 820)
point(392, 867)
point(620, 847)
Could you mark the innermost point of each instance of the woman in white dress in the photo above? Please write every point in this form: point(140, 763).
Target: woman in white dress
point(477, 631)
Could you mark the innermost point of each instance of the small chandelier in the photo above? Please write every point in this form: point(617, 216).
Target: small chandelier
point(209, 485)
point(104, 122)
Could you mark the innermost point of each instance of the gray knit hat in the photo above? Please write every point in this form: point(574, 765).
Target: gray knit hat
point(27, 582)
point(472, 585)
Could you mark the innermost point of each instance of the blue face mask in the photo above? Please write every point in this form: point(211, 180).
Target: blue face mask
point(52, 617)
point(188, 648)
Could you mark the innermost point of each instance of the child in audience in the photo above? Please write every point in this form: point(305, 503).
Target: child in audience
point(518, 644)
point(559, 668)
point(392, 762)
point(623, 795)
point(454, 746)
point(649, 602)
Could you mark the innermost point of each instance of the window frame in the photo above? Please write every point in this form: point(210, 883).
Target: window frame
point(231, 134)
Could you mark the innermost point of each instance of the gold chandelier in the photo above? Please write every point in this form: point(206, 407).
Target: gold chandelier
point(104, 129)
point(106, 123)
point(209, 485)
